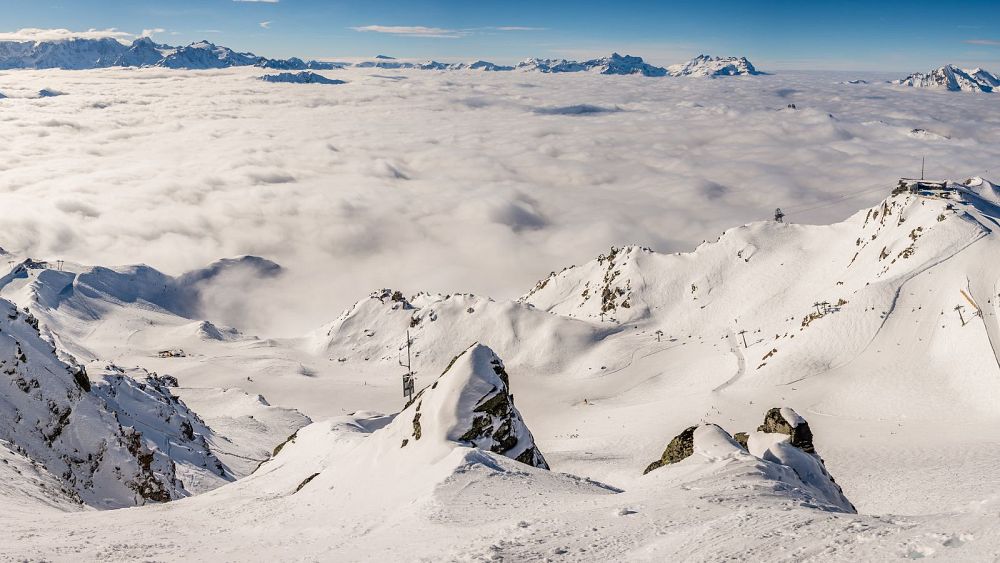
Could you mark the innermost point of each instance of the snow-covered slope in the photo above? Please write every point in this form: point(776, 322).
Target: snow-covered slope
point(954, 79)
point(79, 296)
point(707, 65)
point(878, 329)
point(51, 413)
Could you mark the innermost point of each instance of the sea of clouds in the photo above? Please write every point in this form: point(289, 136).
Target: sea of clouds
point(445, 182)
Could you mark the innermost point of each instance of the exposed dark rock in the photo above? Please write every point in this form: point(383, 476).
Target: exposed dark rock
point(741, 438)
point(801, 435)
point(679, 448)
point(305, 482)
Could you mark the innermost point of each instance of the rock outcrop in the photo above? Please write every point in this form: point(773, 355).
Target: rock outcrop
point(471, 404)
point(782, 447)
point(787, 421)
point(680, 448)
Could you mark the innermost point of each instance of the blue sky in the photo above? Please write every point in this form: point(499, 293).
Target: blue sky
point(889, 35)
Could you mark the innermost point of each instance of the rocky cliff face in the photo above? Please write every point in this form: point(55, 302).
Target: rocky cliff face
point(113, 441)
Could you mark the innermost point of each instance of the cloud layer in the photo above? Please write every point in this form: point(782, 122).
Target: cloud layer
point(461, 181)
point(37, 34)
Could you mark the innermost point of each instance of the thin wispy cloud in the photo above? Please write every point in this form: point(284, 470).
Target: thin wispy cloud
point(266, 25)
point(413, 31)
point(518, 28)
point(989, 42)
point(38, 34)
point(151, 32)
point(438, 32)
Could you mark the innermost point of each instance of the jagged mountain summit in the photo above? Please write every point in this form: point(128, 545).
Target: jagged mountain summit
point(81, 54)
point(953, 79)
point(300, 78)
point(707, 65)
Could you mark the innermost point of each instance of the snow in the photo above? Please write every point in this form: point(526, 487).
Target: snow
point(707, 65)
point(478, 183)
point(954, 79)
point(300, 78)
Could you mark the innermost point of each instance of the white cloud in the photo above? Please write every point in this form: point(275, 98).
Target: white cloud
point(989, 42)
point(443, 181)
point(413, 31)
point(38, 34)
point(151, 32)
point(266, 25)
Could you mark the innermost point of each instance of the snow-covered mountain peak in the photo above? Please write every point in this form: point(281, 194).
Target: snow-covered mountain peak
point(952, 78)
point(707, 65)
point(300, 78)
point(599, 290)
point(470, 404)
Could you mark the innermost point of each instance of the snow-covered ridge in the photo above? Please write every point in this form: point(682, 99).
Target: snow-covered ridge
point(953, 79)
point(79, 54)
point(300, 78)
point(707, 65)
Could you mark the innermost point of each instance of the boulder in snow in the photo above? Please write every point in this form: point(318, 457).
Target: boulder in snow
point(786, 421)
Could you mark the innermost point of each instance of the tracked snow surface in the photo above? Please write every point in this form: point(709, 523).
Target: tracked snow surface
point(871, 342)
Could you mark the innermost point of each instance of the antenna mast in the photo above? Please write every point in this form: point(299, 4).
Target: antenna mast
point(408, 376)
point(922, 159)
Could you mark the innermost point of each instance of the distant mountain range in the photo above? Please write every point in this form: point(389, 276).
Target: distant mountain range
point(952, 78)
point(80, 54)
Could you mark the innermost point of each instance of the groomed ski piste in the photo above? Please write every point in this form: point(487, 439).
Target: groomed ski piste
point(786, 392)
